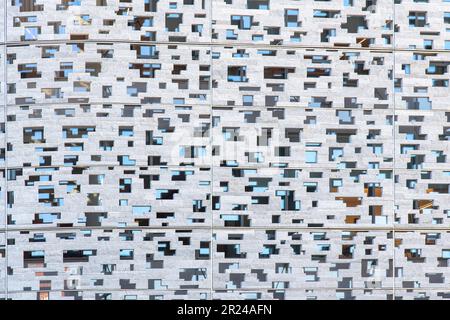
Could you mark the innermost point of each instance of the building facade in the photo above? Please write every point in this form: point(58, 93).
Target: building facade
point(224, 149)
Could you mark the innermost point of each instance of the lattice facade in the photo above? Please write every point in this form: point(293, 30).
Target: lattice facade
point(224, 149)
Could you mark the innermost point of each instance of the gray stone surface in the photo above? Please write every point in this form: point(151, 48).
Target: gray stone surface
point(224, 149)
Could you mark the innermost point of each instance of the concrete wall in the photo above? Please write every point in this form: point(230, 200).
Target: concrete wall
point(229, 149)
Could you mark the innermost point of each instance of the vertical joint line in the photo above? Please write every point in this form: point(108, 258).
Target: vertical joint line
point(395, 147)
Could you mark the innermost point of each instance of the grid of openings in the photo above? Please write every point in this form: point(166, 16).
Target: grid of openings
point(224, 149)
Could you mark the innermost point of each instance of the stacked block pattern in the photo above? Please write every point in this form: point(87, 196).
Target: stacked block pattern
point(224, 149)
